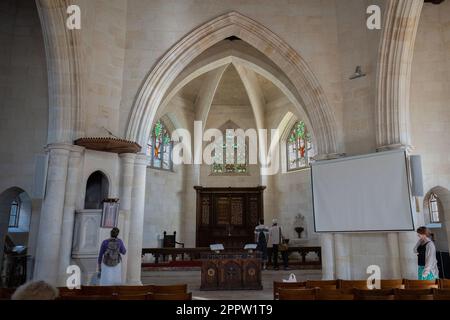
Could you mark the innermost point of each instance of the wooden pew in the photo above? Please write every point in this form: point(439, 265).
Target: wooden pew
point(277, 285)
point(376, 294)
point(392, 284)
point(444, 283)
point(134, 290)
point(175, 288)
point(323, 284)
point(334, 294)
point(297, 294)
point(441, 294)
point(170, 296)
point(413, 294)
point(353, 284)
point(420, 284)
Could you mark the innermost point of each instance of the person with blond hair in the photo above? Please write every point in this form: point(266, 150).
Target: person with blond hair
point(426, 256)
point(36, 290)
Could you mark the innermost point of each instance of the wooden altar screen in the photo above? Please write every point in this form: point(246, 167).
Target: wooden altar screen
point(228, 215)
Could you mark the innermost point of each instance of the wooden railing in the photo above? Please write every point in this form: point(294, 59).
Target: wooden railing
point(195, 253)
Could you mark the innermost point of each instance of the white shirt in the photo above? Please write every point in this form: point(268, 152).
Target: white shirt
point(430, 258)
point(275, 235)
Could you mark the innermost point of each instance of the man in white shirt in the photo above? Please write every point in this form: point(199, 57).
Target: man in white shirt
point(275, 238)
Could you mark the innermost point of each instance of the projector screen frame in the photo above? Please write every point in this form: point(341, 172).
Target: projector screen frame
point(408, 178)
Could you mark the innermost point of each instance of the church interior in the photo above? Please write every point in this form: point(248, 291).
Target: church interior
point(110, 110)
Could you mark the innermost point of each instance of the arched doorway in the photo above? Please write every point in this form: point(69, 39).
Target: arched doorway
point(15, 219)
point(97, 190)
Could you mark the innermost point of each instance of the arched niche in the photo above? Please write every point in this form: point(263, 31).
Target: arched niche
point(97, 189)
point(15, 218)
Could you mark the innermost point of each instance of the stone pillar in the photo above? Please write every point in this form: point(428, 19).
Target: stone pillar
point(394, 256)
point(342, 257)
point(126, 185)
point(136, 221)
point(408, 259)
point(49, 237)
point(73, 188)
point(327, 245)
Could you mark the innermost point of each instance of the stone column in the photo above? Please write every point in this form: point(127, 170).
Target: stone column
point(136, 221)
point(126, 185)
point(49, 237)
point(327, 245)
point(342, 257)
point(72, 190)
point(394, 256)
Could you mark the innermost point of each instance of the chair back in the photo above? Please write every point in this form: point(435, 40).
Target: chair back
point(413, 294)
point(169, 241)
point(323, 284)
point(420, 284)
point(297, 294)
point(277, 285)
point(175, 288)
point(170, 296)
point(376, 294)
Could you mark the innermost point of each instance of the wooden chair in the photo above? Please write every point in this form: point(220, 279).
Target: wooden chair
point(286, 285)
point(441, 294)
point(175, 288)
point(170, 241)
point(170, 296)
point(420, 284)
point(297, 294)
point(334, 294)
point(392, 284)
point(134, 290)
point(376, 294)
point(323, 284)
point(444, 283)
point(413, 294)
point(353, 284)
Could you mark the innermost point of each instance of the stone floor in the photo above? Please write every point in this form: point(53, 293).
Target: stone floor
point(192, 278)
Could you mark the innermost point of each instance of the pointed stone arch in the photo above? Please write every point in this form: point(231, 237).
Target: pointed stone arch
point(279, 52)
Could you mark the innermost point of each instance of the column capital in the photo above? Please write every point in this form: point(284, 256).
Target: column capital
point(141, 160)
point(64, 146)
point(127, 156)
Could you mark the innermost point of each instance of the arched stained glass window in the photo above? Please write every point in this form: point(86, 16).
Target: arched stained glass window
point(433, 206)
point(160, 147)
point(14, 212)
point(299, 147)
point(232, 157)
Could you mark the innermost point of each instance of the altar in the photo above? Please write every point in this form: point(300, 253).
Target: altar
point(231, 271)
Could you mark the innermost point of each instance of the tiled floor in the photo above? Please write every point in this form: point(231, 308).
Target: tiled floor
point(192, 278)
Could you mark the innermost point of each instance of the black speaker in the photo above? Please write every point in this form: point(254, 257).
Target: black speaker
point(443, 259)
point(416, 175)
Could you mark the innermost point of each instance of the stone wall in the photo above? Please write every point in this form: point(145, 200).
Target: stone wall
point(430, 101)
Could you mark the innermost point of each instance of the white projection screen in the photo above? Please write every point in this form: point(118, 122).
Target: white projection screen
point(362, 194)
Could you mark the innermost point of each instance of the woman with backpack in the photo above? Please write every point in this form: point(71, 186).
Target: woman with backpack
point(109, 260)
point(426, 256)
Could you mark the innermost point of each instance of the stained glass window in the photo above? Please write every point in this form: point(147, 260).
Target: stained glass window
point(433, 206)
point(299, 147)
point(14, 214)
point(231, 157)
point(159, 148)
